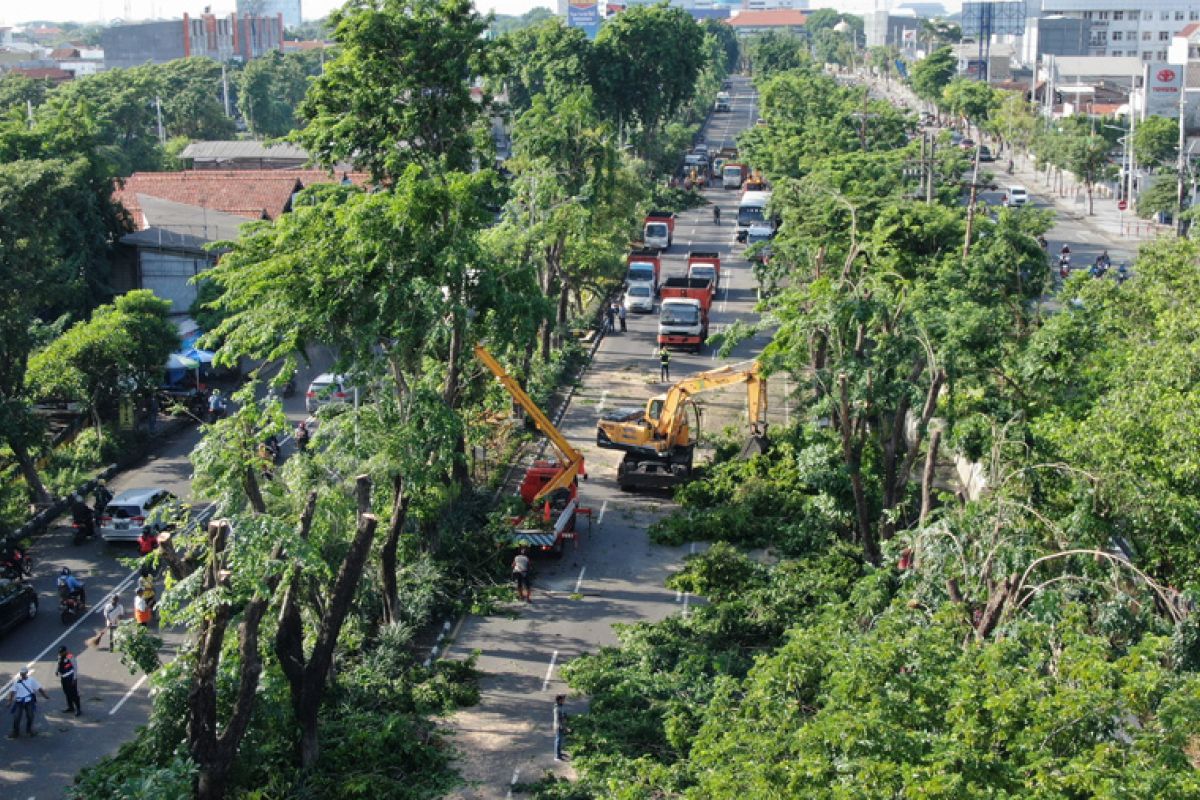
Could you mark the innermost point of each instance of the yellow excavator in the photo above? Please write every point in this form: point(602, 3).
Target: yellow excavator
point(554, 484)
point(659, 442)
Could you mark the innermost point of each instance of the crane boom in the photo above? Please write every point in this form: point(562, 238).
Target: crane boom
point(572, 459)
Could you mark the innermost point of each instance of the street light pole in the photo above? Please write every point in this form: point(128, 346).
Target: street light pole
point(1181, 161)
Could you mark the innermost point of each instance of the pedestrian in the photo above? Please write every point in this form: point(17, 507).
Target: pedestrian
point(113, 612)
point(103, 498)
point(141, 609)
point(70, 684)
point(609, 314)
point(146, 587)
point(560, 726)
point(214, 405)
point(301, 436)
point(22, 701)
point(664, 364)
point(621, 314)
point(152, 414)
point(147, 541)
point(520, 573)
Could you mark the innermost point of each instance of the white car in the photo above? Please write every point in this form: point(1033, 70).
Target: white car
point(1016, 196)
point(639, 297)
point(327, 388)
point(134, 509)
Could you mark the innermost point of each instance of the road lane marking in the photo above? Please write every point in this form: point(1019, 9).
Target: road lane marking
point(579, 580)
point(549, 671)
point(512, 783)
point(128, 694)
point(603, 398)
point(600, 516)
point(201, 518)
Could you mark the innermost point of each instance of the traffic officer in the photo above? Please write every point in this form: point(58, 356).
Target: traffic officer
point(664, 364)
point(70, 684)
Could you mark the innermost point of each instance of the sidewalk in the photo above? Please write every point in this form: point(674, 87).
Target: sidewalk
point(1115, 227)
point(1108, 221)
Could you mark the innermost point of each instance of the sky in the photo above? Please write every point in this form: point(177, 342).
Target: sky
point(107, 10)
point(12, 12)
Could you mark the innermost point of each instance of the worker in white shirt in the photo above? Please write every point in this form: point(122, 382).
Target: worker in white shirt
point(22, 701)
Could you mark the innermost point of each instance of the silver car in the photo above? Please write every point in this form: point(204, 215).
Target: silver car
point(327, 388)
point(135, 509)
point(639, 297)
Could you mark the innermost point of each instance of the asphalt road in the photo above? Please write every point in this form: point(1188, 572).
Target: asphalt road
point(115, 702)
point(615, 575)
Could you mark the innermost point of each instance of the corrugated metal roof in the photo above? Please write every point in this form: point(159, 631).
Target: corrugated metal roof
point(247, 149)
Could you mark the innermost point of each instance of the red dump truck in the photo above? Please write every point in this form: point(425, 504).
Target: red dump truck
point(659, 229)
point(683, 313)
point(705, 265)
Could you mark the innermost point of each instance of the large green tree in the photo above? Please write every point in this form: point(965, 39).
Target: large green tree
point(932, 74)
point(400, 90)
point(645, 66)
point(270, 88)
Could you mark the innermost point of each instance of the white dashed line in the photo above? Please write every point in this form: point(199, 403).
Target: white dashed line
point(600, 516)
point(128, 695)
point(603, 398)
point(579, 580)
point(550, 671)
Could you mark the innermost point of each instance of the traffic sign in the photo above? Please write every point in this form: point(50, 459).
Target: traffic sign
point(1122, 204)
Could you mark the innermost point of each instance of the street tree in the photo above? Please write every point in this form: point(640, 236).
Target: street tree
point(549, 58)
point(1156, 142)
point(1087, 157)
point(645, 64)
point(399, 91)
point(270, 88)
point(119, 352)
point(932, 74)
point(774, 52)
point(969, 100)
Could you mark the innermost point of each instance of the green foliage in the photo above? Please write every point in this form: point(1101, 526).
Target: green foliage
point(930, 76)
point(119, 352)
point(1162, 195)
point(420, 51)
point(271, 87)
point(645, 66)
point(1156, 141)
point(772, 53)
point(548, 58)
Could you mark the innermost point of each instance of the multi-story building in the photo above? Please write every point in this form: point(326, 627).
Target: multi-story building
point(232, 38)
point(290, 9)
point(1107, 27)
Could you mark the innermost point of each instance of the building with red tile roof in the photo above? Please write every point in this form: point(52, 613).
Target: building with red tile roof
point(253, 194)
point(779, 20)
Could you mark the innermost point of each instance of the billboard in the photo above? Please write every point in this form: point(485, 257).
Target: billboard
point(1162, 90)
point(584, 14)
point(992, 18)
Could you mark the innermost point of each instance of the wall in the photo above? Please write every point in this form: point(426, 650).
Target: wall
point(167, 273)
point(147, 42)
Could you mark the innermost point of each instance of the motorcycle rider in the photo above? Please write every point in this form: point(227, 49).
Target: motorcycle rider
point(71, 587)
point(716, 214)
point(82, 517)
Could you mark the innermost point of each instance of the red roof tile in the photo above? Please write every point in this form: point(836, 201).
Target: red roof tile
point(769, 18)
point(254, 194)
point(1188, 30)
point(52, 74)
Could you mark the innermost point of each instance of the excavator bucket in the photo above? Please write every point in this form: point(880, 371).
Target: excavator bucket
point(755, 446)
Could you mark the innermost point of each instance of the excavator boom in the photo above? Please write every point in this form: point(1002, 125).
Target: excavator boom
point(572, 459)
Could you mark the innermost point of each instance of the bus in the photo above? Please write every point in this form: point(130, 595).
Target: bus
point(752, 210)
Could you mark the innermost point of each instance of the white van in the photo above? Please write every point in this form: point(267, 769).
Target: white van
point(1016, 196)
point(752, 210)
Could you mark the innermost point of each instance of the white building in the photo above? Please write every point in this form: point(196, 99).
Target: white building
point(1113, 27)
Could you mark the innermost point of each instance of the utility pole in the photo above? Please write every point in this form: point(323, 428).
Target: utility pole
point(162, 135)
point(1181, 162)
point(971, 208)
point(225, 90)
